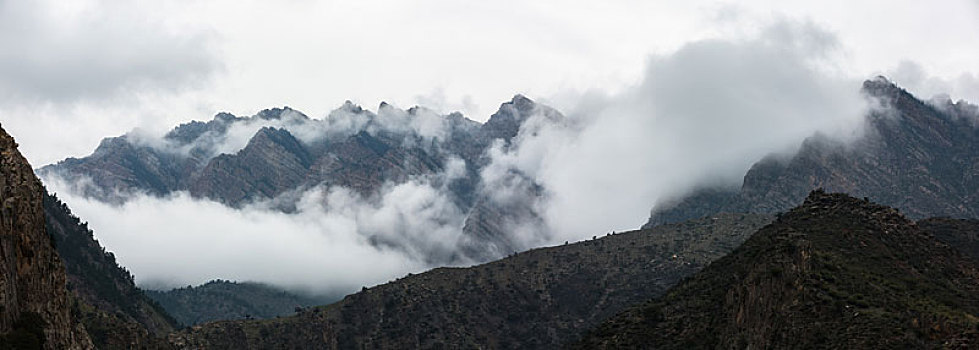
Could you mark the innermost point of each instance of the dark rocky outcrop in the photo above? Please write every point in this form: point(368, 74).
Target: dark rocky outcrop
point(836, 272)
point(531, 300)
point(919, 158)
point(35, 306)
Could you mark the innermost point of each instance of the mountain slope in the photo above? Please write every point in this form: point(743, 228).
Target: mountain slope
point(920, 158)
point(961, 234)
point(535, 299)
point(836, 272)
point(226, 300)
point(34, 303)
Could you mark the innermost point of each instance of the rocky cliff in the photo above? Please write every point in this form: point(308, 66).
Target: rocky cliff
point(34, 302)
point(836, 272)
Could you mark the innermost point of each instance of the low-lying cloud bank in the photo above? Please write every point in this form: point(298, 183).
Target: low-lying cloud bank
point(701, 115)
point(334, 243)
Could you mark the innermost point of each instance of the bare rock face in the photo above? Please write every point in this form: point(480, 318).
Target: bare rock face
point(34, 303)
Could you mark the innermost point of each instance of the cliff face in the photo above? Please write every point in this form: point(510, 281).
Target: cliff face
point(34, 303)
point(836, 273)
point(920, 158)
point(533, 300)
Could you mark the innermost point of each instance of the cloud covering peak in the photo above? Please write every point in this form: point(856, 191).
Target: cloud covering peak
point(702, 114)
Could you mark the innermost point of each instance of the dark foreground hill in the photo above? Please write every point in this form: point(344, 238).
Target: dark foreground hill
point(227, 300)
point(920, 157)
point(531, 300)
point(835, 273)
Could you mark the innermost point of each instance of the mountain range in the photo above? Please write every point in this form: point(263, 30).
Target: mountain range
point(278, 154)
point(771, 264)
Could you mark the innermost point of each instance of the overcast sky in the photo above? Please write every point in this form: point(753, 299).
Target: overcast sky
point(73, 72)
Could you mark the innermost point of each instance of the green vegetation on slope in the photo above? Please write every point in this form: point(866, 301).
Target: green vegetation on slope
point(961, 234)
point(226, 300)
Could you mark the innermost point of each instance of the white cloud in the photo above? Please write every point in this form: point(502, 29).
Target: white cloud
point(65, 52)
point(74, 72)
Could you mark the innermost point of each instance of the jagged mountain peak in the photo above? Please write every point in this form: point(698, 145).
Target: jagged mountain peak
point(416, 110)
point(225, 117)
point(882, 87)
point(506, 122)
point(280, 113)
point(522, 102)
point(349, 106)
